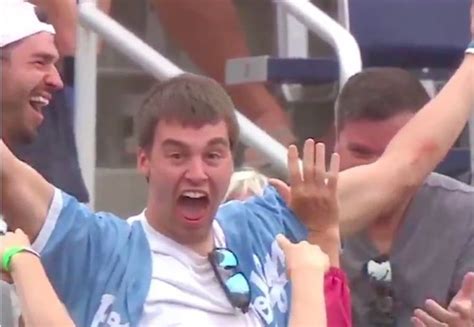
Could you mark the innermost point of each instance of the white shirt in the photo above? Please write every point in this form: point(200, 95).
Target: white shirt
point(184, 290)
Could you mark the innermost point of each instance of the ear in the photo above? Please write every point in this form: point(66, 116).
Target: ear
point(143, 162)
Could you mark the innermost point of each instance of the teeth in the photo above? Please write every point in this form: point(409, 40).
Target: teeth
point(39, 99)
point(194, 194)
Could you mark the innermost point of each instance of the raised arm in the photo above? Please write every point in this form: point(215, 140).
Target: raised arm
point(366, 192)
point(26, 195)
point(63, 16)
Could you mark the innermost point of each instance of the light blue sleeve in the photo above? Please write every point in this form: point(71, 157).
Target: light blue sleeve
point(249, 230)
point(87, 255)
point(263, 215)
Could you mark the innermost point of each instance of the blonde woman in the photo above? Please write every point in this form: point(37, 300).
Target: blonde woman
point(245, 183)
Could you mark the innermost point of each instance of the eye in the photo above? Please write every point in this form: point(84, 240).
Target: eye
point(175, 155)
point(39, 63)
point(361, 152)
point(214, 155)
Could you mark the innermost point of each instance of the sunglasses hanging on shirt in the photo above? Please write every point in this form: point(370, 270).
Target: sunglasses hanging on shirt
point(236, 286)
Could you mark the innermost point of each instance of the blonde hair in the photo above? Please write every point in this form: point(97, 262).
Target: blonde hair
point(245, 183)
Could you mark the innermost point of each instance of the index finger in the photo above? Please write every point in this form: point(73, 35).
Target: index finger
point(439, 313)
point(283, 242)
point(294, 166)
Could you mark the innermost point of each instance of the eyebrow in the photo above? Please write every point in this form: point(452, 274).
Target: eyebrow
point(218, 141)
point(174, 143)
point(213, 142)
point(359, 147)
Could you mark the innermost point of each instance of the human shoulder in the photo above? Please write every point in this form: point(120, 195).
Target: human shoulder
point(264, 206)
point(445, 184)
point(446, 198)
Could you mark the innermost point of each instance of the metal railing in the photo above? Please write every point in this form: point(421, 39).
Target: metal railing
point(94, 21)
point(329, 30)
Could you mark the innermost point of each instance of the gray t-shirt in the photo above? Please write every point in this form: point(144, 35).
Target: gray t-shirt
point(431, 253)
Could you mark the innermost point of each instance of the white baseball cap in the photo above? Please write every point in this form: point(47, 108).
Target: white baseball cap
point(18, 20)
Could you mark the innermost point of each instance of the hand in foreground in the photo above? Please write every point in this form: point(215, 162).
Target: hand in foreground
point(460, 312)
point(312, 195)
point(303, 257)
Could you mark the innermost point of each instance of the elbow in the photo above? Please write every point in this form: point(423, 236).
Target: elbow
point(414, 165)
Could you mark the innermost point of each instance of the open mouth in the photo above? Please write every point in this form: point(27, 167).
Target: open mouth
point(38, 102)
point(192, 205)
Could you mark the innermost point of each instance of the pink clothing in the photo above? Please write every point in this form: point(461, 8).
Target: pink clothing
point(338, 298)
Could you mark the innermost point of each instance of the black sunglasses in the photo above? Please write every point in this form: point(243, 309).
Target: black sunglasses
point(382, 305)
point(236, 286)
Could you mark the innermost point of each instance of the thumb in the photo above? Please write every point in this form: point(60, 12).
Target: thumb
point(282, 188)
point(283, 242)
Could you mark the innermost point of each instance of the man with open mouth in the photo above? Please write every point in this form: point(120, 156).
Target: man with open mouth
point(188, 261)
point(28, 79)
point(29, 76)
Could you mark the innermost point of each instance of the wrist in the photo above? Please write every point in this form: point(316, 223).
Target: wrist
point(303, 276)
point(22, 259)
point(330, 235)
point(10, 255)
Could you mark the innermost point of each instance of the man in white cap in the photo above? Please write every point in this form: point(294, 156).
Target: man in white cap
point(29, 77)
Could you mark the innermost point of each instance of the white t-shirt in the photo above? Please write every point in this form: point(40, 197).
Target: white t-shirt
point(184, 290)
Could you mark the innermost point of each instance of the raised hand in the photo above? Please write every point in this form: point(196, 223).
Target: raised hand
point(312, 195)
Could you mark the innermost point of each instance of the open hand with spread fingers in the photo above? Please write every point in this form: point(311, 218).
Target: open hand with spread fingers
point(312, 195)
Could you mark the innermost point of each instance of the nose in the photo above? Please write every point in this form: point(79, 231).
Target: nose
point(196, 172)
point(53, 79)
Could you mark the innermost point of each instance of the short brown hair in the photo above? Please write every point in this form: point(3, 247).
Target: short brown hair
point(190, 99)
point(379, 93)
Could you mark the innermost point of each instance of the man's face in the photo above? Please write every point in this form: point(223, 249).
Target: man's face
point(29, 78)
point(363, 141)
point(189, 171)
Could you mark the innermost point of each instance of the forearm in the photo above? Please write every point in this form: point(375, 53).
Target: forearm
point(211, 33)
point(39, 304)
point(307, 299)
point(329, 243)
point(370, 191)
point(423, 142)
point(62, 14)
point(26, 195)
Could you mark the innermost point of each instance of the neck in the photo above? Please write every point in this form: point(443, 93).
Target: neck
point(384, 230)
point(204, 247)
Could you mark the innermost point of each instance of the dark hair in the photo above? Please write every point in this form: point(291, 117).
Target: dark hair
point(190, 99)
point(378, 94)
point(6, 51)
